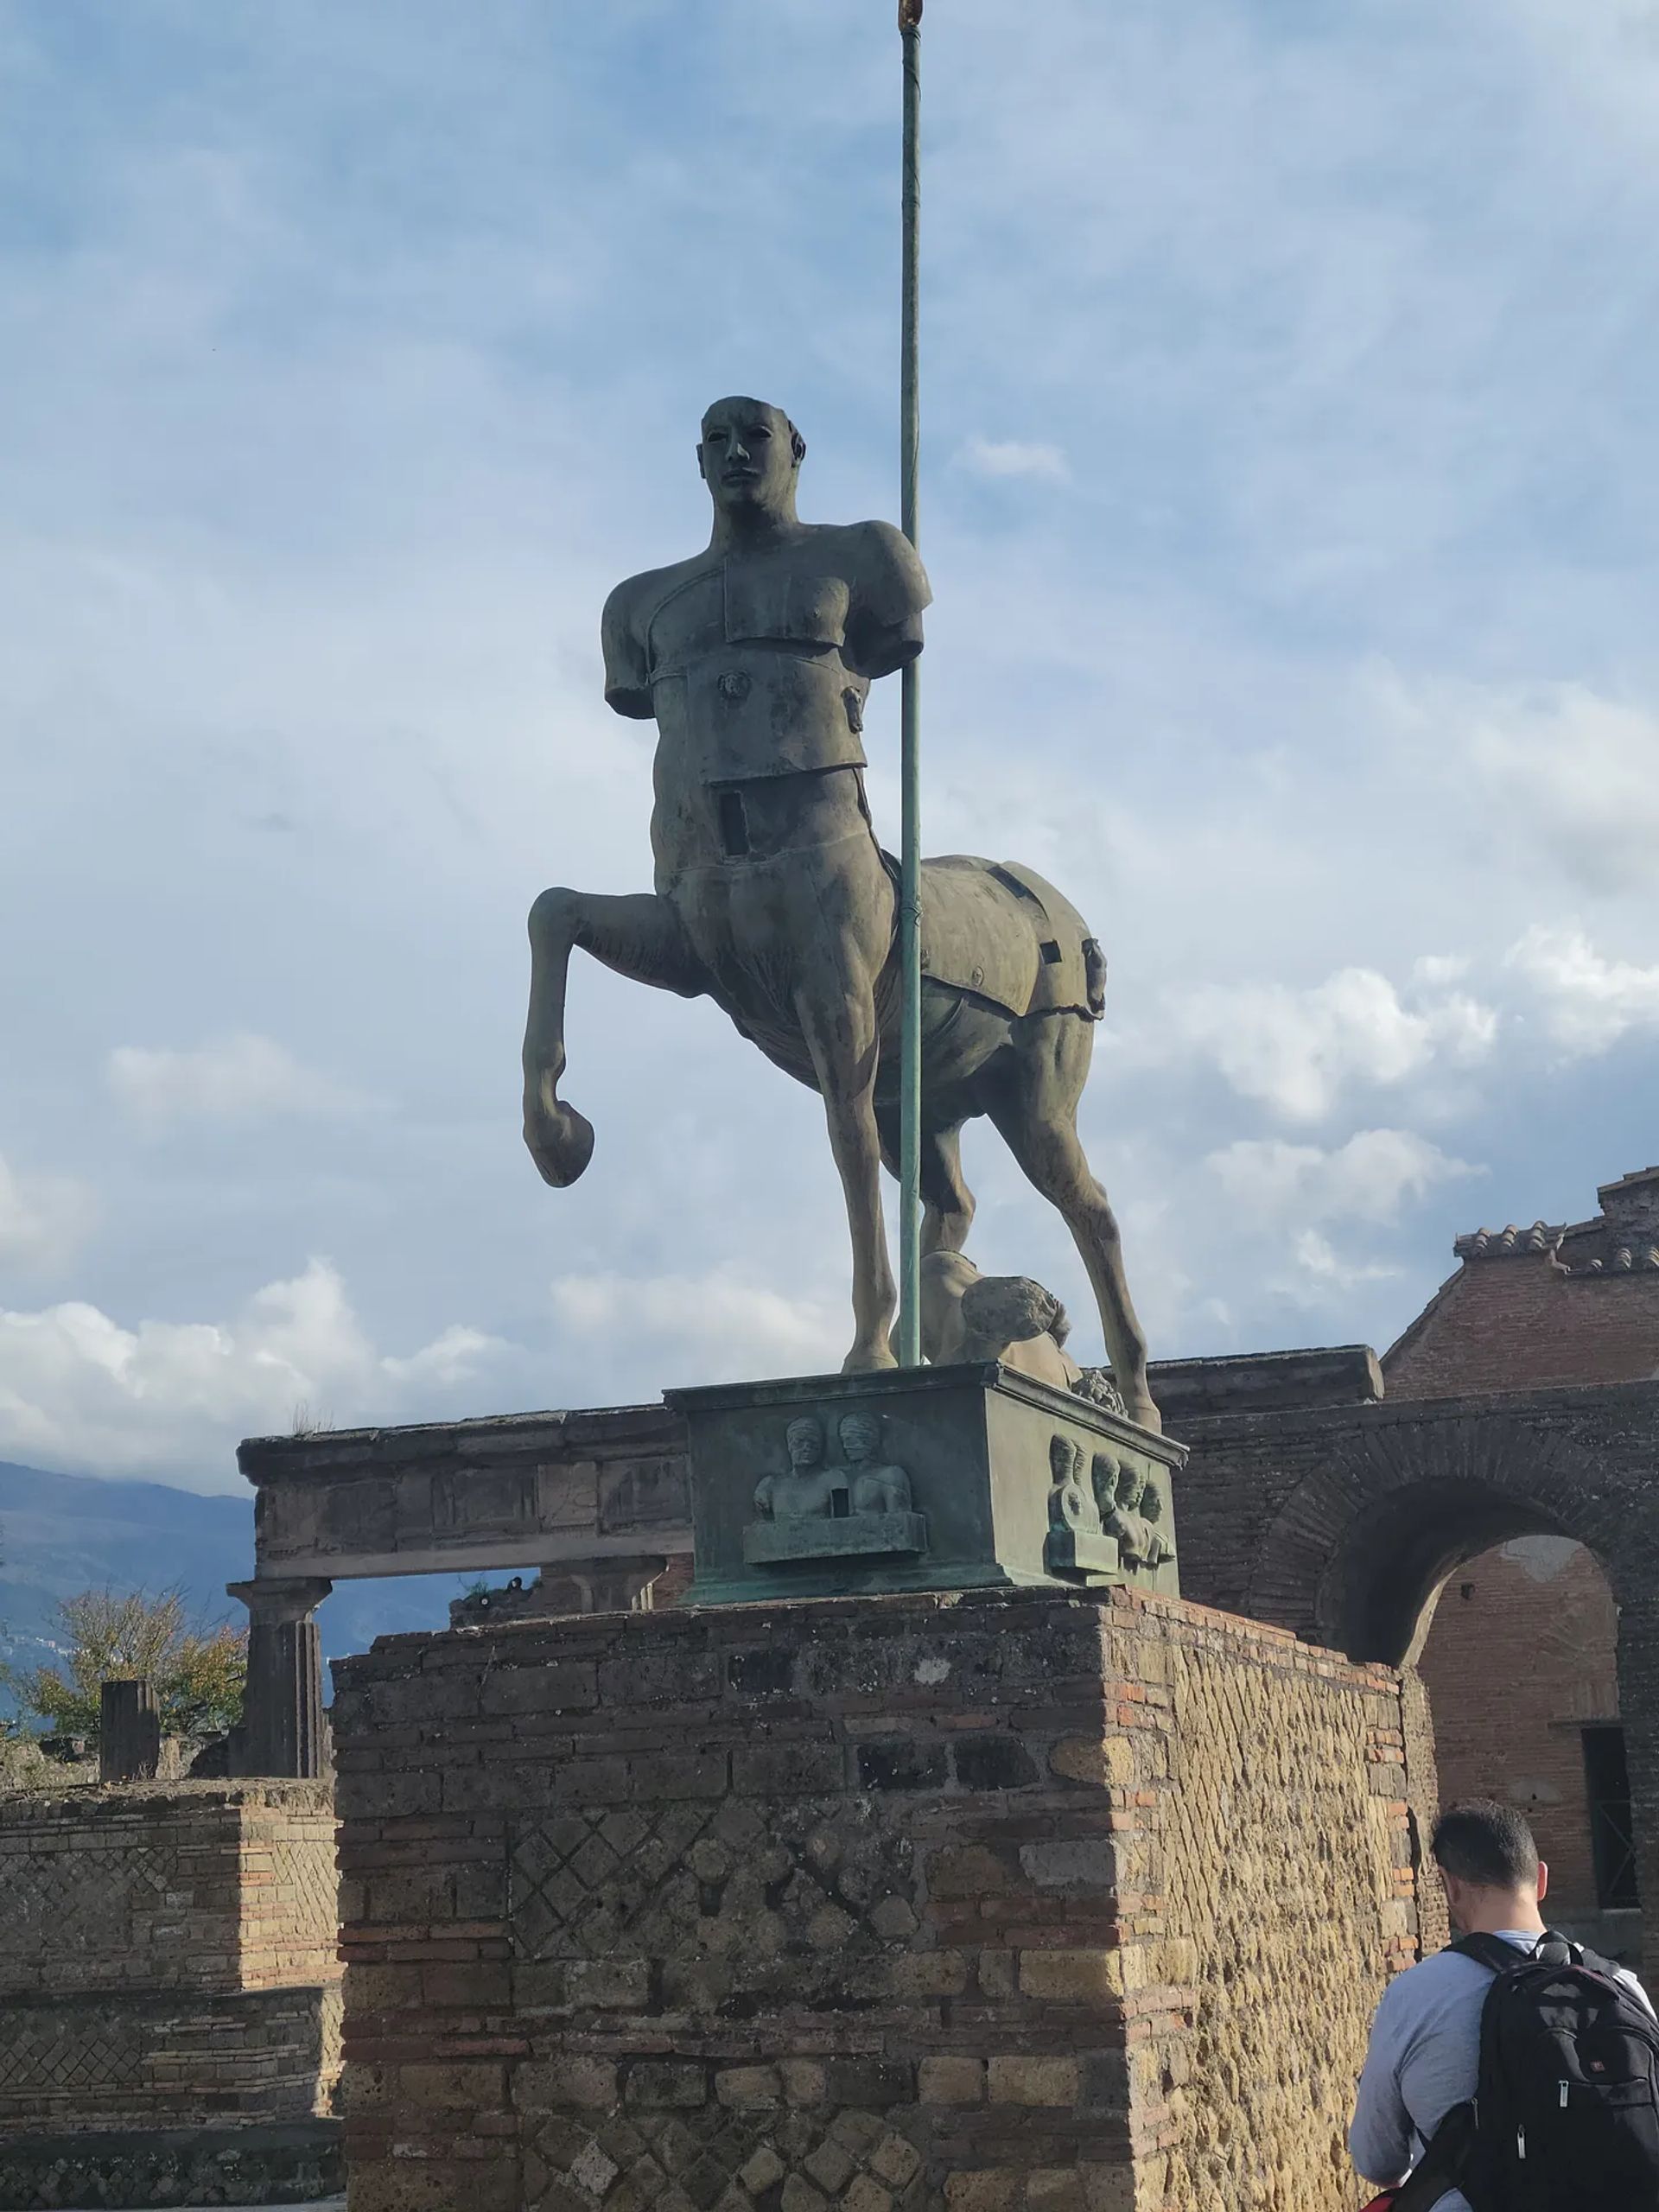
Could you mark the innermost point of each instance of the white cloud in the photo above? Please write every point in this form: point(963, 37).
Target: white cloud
point(80, 1390)
point(241, 1077)
point(1012, 458)
point(717, 1327)
point(1369, 1178)
point(42, 1218)
point(1326, 1271)
point(1579, 769)
point(1587, 1002)
point(1299, 1051)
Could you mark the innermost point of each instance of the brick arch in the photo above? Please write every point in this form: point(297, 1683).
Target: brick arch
point(1359, 1546)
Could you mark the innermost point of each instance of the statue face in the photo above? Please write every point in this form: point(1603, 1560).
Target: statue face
point(805, 1442)
point(748, 457)
point(859, 1436)
point(1059, 1458)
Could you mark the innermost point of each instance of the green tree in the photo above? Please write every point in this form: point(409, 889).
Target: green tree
point(200, 1670)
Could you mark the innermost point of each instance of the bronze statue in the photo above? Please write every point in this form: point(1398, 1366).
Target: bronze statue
point(774, 898)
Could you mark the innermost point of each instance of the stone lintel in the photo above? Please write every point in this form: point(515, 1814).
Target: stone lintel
point(1265, 1381)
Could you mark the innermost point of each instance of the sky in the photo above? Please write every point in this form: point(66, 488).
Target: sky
point(1291, 432)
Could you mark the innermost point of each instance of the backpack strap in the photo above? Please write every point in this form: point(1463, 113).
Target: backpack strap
point(1442, 2162)
point(1496, 1954)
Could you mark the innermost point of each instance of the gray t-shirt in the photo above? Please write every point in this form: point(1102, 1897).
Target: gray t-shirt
point(1424, 2058)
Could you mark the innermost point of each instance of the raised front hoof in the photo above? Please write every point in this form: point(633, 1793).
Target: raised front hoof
point(561, 1142)
point(867, 1359)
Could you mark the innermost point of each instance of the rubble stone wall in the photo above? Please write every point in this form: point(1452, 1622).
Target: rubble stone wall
point(1012, 1899)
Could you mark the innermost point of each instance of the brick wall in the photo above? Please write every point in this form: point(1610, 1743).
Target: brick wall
point(1521, 1654)
point(167, 1957)
point(1016, 1899)
point(1518, 1323)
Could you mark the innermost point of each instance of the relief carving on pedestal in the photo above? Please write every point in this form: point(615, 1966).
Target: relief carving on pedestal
point(817, 1509)
point(1077, 1548)
point(1131, 1508)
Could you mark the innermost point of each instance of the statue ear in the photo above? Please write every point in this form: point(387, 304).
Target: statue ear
point(797, 445)
point(701, 470)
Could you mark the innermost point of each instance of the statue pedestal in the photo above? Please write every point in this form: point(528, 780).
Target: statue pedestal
point(922, 1478)
point(1004, 1900)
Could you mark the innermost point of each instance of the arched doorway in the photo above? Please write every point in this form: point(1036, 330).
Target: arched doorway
point(1520, 1662)
point(1344, 1523)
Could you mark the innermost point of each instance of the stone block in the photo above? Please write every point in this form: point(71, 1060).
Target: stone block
point(951, 2080)
point(1107, 1763)
point(1071, 1977)
point(1033, 2081)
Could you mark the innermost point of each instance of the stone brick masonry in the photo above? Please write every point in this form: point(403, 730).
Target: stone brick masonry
point(167, 1962)
point(1016, 1899)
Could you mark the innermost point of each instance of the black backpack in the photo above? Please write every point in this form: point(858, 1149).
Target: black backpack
point(1566, 2114)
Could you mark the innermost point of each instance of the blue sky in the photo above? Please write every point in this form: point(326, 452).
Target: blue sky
point(1290, 444)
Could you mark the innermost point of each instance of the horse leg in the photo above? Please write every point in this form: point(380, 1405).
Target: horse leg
point(1034, 1102)
point(947, 1202)
point(640, 936)
point(837, 1018)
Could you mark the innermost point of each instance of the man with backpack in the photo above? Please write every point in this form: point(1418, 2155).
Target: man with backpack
point(1515, 2072)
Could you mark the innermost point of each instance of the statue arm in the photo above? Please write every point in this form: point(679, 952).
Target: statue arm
point(890, 590)
point(626, 689)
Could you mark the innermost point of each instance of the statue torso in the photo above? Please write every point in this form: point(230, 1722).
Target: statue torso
point(755, 665)
point(745, 669)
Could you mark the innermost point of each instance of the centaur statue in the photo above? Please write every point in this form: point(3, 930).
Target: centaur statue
point(774, 898)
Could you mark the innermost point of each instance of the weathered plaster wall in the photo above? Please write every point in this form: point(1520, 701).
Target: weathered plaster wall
point(1018, 1899)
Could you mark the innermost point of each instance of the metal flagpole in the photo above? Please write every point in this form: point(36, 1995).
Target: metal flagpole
point(910, 848)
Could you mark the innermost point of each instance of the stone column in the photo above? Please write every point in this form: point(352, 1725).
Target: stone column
point(129, 1731)
point(285, 1730)
point(619, 1585)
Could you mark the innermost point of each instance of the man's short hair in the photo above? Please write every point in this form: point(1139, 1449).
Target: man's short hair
point(1487, 1844)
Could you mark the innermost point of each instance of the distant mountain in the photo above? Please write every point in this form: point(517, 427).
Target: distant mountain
point(60, 1533)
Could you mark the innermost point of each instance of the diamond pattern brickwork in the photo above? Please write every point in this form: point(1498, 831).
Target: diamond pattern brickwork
point(716, 2160)
point(792, 1893)
point(84, 1900)
point(53, 2056)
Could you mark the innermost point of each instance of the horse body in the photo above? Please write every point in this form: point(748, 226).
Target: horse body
point(775, 899)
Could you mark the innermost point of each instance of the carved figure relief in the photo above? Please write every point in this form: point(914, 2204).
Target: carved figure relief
point(876, 1488)
point(814, 1509)
point(1077, 1548)
point(807, 1489)
point(1131, 1508)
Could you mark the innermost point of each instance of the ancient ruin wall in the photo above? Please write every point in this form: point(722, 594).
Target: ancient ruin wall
point(167, 1958)
point(1020, 1899)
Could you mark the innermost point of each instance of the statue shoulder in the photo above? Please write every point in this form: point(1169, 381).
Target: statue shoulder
point(878, 553)
point(889, 591)
point(622, 630)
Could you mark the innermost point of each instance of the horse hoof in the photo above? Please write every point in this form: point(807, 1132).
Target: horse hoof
point(561, 1143)
point(867, 1359)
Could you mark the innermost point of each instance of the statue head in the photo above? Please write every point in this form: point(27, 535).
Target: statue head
point(861, 1435)
point(804, 1439)
point(1131, 1485)
point(1151, 1504)
point(750, 456)
point(998, 1311)
point(1062, 1458)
